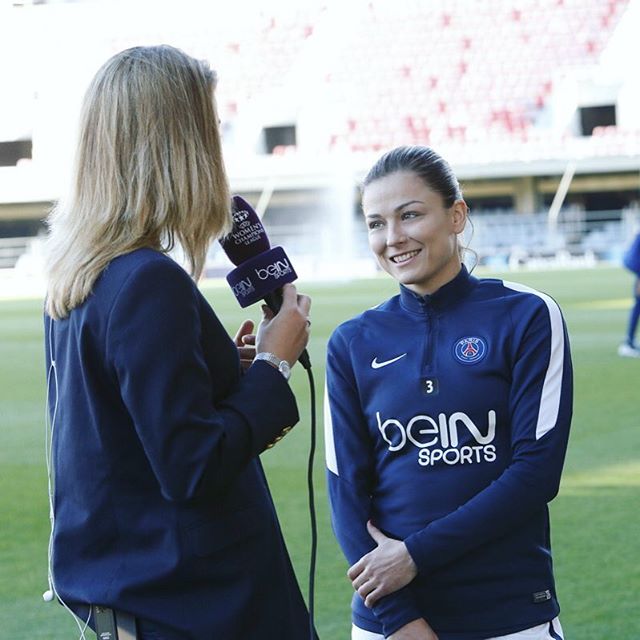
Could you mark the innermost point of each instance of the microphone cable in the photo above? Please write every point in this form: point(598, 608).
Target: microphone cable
point(312, 507)
point(248, 247)
point(274, 302)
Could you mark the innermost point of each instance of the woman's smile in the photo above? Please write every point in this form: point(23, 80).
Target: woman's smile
point(404, 258)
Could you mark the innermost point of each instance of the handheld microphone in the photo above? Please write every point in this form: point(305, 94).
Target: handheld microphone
point(261, 270)
point(260, 273)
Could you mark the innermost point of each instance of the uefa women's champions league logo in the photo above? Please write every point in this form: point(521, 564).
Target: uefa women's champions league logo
point(260, 269)
point(470, 350)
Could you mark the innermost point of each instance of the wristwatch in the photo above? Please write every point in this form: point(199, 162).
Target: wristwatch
point(281, 365)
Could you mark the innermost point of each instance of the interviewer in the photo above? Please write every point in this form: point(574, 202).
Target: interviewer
point(162, 510)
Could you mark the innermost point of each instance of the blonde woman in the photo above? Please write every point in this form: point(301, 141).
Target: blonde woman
point(161, 509)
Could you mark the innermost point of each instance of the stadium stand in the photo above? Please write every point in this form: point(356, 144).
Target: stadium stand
point(454, 74)
point(517, 94)
point(397, 73)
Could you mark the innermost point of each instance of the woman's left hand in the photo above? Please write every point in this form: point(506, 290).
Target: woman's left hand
point(245, 340)
point(386, 569)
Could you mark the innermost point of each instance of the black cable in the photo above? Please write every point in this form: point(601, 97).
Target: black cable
point(274, 302)
point(312, 507)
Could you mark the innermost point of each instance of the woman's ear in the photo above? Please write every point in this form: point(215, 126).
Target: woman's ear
point(459, 215)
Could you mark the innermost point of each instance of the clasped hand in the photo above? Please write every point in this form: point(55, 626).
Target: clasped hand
point(386, 569)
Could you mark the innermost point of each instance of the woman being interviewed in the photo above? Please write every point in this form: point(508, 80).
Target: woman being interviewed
point(161, 509)
point(448, 412)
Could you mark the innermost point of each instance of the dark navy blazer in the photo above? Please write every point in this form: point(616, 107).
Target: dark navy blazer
point(162, 508)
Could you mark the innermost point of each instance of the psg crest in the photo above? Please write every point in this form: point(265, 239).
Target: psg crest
point(470, 350)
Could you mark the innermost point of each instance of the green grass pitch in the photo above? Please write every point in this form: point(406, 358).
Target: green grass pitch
point(595, 518)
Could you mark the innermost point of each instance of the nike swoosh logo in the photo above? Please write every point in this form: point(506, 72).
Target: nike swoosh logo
point(377, 365)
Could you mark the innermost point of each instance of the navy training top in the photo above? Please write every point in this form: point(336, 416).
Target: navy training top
point(446, 423)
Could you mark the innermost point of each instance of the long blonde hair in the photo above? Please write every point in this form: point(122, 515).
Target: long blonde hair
point(148, 172)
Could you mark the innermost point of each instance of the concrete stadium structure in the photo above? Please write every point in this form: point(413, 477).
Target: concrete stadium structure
point(532, 101)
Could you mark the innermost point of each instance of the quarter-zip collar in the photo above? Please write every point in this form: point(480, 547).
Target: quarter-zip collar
point(445, 296)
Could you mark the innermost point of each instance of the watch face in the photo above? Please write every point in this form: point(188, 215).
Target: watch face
point(285, 369)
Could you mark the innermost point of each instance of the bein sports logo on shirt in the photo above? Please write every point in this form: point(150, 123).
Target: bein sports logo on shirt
point(438, 441)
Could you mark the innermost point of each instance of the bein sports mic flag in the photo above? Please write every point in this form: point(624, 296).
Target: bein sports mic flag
point(260, 269)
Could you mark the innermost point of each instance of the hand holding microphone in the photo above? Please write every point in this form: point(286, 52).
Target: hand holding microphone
point(262, 273)
point(286, 333)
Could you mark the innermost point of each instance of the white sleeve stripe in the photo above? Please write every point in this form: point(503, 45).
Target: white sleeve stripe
point(552, 387)
point(329, 445)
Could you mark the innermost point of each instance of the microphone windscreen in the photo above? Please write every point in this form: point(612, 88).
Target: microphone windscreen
point(248, 238)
